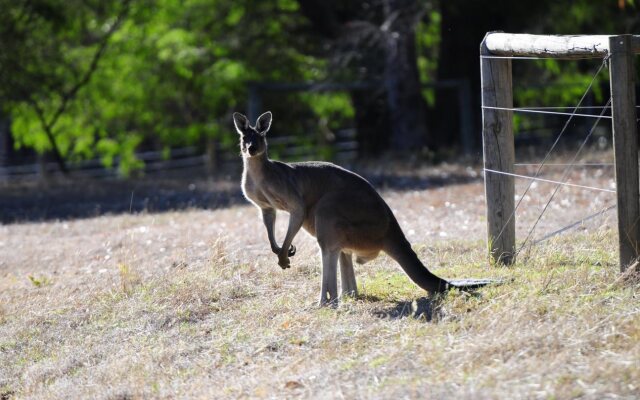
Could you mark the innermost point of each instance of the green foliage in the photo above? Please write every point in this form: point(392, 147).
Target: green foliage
point(103, 78)
point(428, 45)
point(558, 84)
point(561, 83)
point(334, 107)
point(170, 76)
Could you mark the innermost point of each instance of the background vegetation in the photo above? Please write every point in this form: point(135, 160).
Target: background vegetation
point(82, 79)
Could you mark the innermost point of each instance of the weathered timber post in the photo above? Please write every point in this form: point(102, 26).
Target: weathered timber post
point(499, 154)
point(625, 144)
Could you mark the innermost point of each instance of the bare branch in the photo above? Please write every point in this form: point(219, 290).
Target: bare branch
point(49, 132)
point(72, 92)
point(92, 67)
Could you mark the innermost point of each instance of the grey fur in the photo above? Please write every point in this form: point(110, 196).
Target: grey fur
point(340, 208)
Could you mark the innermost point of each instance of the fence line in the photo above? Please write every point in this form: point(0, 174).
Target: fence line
point(345, 149)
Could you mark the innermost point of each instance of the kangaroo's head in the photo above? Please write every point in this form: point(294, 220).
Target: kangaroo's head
point(253, 141)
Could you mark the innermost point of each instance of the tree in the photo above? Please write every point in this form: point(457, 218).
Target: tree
point(359, 31)
point(105, 78)
point(464, 24)
point(85, 81)
point(37, 76)
point(402, 81)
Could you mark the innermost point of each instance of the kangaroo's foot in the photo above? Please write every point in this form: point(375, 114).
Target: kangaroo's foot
point(333, 303)
point(348, 276)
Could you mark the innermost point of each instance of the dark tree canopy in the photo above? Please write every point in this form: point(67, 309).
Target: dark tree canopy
point(106, 78)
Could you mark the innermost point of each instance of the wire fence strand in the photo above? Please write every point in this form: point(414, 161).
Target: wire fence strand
point(537, 111)
point(575, 224)
point(553, 146)
point(535, 178)
point(565, 176)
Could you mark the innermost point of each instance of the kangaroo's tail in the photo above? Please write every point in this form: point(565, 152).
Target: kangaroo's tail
point(399, 248)
point(472, 284)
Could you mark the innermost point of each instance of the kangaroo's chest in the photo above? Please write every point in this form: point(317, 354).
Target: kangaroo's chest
point(262, 195)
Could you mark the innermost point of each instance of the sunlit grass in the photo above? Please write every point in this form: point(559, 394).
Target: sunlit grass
point(222, 323)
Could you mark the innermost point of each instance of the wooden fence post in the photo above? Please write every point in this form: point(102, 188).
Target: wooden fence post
point(499, 155)
point(625, 144)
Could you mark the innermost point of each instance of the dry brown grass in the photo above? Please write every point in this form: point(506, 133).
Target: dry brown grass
point(193, 305)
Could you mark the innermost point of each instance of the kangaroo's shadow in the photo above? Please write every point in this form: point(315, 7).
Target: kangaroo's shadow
point(423, 308)
point(420, 308)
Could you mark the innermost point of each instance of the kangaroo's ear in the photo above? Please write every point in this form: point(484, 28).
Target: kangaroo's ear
point(264, 122)
point(241, 122)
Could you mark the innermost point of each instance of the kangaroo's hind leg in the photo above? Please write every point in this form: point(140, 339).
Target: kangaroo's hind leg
point(330, 236)
point(347, 275)
point(329, 291)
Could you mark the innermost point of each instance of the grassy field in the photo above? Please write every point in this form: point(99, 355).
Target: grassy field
point(193, 305)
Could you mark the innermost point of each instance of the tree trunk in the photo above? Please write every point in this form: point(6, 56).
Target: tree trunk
point(353, 28)
point(372, 121)
point(5, 145)
point(458, 59)
point(407, 108)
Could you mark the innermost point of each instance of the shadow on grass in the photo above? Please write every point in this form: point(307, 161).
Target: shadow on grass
point(421, 308)
point(7, 394)
point(87, 198)
point(91, 198)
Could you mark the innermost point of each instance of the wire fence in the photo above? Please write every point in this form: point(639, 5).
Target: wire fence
point(344, 148)
point(568, 167)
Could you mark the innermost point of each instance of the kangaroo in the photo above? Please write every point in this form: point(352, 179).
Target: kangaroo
point(340, 208)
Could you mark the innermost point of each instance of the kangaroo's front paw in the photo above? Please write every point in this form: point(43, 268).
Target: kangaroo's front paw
point(292, 251)
point(284, 262)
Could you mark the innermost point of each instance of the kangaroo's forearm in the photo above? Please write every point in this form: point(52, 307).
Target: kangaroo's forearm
point(296, 220)
point(269, 219)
